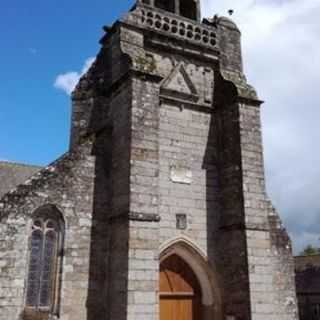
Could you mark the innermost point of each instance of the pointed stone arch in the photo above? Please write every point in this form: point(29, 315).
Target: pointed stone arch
point(52, 211)
point(45, 260)
point(205, 273)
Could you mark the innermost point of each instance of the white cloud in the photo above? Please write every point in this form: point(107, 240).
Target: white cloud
point(68, 81)
point(281, 56)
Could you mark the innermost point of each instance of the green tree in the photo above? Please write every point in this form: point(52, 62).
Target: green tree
point(310, 250)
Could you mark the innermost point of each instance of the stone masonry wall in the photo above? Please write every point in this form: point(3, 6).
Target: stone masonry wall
point(118, 226)
point(232, 235)
point(143, 264)
point(67, 184)
point(209, 172)
point(188, 183)
point(270, 261)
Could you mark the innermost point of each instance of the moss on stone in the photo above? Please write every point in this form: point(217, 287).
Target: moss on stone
point(145, 64)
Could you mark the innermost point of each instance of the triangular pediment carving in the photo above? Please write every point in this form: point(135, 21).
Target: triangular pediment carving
point(179, 85)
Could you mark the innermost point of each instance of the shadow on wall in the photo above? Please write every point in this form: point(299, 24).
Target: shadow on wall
point(210, 165)
point(109, 243)
point(225, 239)
point(96, 303)
point(108, 265)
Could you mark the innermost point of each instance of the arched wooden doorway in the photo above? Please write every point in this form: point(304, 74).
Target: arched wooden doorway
point(180, 292)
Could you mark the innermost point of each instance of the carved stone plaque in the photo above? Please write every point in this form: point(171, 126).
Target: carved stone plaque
point(181, 175)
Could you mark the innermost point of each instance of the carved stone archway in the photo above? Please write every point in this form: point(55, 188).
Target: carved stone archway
point(206, 275)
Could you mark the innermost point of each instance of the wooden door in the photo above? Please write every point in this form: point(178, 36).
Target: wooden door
point(180, 293)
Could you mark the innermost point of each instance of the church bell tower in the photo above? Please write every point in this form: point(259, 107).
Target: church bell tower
point(191, 232)
point(159, 210)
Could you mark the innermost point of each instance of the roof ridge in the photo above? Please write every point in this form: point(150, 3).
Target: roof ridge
point(20, 164)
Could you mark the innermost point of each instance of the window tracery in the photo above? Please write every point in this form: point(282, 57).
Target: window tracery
point(46, 242)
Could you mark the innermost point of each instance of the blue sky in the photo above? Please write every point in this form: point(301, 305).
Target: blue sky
point(47, 45)
point(39, 40)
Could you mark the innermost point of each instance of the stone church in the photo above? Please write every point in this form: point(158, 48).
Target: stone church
point(158, 211)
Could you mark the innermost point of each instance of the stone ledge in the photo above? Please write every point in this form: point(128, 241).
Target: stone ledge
point(136, 216)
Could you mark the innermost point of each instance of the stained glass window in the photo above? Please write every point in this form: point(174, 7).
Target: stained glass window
point(47, 267)
point(34, 267)
point(43, 263)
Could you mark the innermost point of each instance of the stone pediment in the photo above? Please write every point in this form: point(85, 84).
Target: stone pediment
point(179, 85)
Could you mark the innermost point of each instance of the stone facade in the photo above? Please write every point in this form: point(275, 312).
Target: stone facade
point(308, 286)
point(165, 157)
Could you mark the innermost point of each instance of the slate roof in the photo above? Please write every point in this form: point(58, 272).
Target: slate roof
point(308, 274)
point(13, 174)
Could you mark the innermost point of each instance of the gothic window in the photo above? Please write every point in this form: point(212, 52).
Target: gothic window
point(168, 5)
point(44, 261)
point(188, 9)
